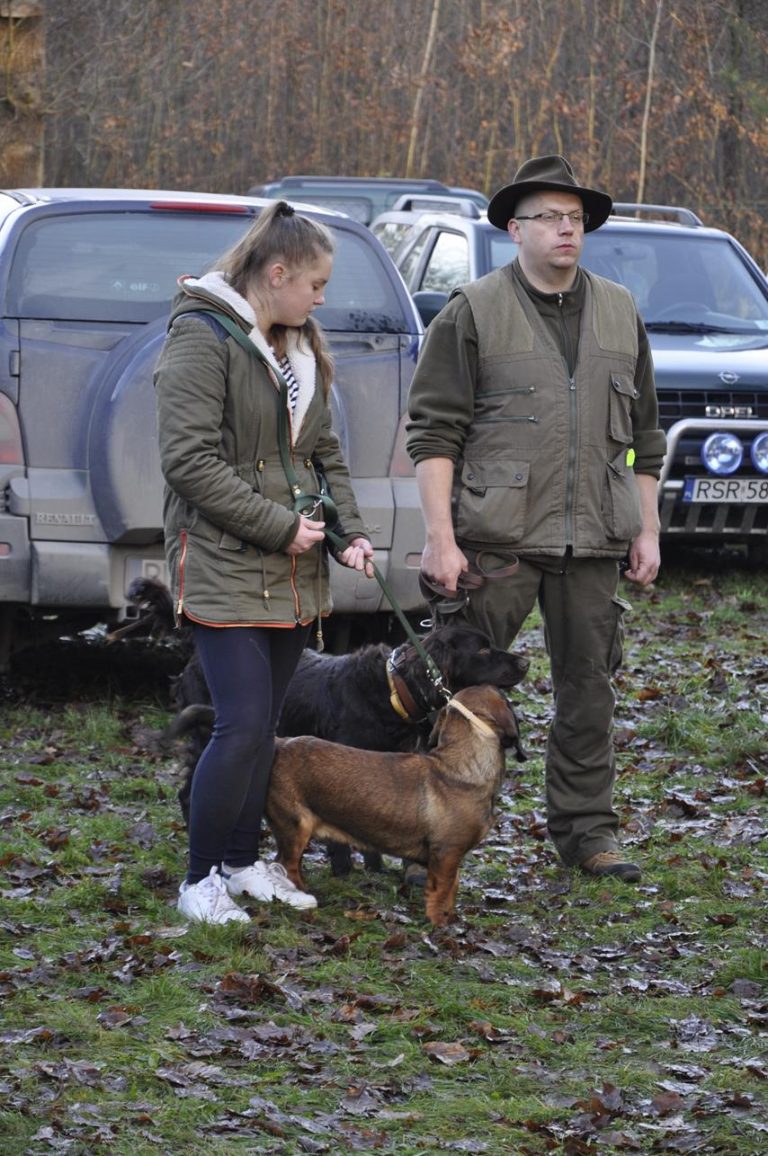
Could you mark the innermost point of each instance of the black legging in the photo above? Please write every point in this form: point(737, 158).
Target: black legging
point(247, 669)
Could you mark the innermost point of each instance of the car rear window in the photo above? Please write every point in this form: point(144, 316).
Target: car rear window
point(359, 208)
point(392, 233)
point(124, 267)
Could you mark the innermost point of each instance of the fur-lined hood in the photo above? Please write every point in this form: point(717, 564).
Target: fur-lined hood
point(213, 287)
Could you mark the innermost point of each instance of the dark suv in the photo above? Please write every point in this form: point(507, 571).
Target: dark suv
point(705, 305)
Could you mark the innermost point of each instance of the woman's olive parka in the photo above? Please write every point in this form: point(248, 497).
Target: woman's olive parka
point(228, 508)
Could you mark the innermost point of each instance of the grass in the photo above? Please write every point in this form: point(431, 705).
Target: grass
point(559, 1014)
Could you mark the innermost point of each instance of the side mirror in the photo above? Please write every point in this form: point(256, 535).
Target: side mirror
point(429, 304)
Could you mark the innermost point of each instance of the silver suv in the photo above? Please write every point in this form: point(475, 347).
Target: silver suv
point(86, 280)
point(704, 301)
point(360, 197)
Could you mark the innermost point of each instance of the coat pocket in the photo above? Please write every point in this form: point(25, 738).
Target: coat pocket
point(622, 396)
point(621, 508)
point(492, 501)
point(230, 542)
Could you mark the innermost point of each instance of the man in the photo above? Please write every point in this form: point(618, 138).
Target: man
point(534, 429)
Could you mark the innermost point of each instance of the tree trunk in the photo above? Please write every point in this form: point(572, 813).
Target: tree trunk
point(22, 52)
point(420, 86)
point(647, 105)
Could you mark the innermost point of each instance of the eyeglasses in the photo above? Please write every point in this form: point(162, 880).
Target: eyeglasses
point(552, 217)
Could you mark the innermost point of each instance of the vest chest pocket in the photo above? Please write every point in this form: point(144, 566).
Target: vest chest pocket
point(622, 395)
point(492, 501)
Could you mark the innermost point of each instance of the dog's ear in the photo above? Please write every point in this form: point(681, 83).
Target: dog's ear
point(437, 728)
point(520, 752)
point(511, 731)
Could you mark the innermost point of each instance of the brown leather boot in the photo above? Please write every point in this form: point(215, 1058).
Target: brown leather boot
point(611, 863)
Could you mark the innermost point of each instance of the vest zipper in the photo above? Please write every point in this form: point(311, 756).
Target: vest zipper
point(530, 418)
point(570, 470)
point(516, 389)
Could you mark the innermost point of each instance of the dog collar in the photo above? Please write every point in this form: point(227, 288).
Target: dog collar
point(400, 697)
point(478, 723)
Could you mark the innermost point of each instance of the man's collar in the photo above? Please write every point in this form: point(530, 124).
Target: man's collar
point(571, 294)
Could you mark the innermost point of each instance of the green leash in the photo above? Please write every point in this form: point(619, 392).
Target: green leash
point(303, 501)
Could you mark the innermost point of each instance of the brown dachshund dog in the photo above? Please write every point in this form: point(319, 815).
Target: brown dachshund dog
point(431, 807)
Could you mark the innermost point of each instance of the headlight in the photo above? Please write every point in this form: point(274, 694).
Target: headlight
point(722, 453)
point(759, 453)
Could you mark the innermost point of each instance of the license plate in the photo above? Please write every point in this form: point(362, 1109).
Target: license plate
point(726, 490)
point(136, 567)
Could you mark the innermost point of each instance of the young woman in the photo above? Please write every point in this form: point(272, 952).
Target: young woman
point(248, 572)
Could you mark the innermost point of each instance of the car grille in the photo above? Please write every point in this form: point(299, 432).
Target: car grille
point(711, 522)
point(675, 404)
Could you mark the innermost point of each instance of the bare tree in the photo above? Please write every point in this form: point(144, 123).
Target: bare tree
point(21, 92)
point(647, 102)
point(652, 100)
point(429, 48)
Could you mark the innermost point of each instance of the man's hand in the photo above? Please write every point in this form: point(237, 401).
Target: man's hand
point(442, 562)
point(644, 558)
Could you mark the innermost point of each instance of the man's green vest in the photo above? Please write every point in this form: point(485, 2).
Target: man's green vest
point(547, 461)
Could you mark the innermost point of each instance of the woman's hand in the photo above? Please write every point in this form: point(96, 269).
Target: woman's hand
point(358, 556)
point(308, 535)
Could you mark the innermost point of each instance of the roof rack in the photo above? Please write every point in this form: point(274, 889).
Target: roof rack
point(311, 180)
point(424, 203)
point(20, 195)
point(664, 212)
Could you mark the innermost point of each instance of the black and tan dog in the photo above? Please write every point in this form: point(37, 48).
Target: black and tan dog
point(431, 808)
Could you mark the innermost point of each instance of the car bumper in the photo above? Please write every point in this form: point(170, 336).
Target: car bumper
point(708, 522)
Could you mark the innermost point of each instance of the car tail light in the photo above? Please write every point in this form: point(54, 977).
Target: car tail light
point(201, 207)
point(11, 452)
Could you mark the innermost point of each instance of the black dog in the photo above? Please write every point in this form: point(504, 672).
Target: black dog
point(376, 698)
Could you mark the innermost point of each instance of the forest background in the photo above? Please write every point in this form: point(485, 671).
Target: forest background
point(655, 100)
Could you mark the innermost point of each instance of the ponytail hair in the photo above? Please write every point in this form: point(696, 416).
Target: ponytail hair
point(280, 234)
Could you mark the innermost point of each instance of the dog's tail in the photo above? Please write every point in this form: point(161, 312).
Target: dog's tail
point(197, 718)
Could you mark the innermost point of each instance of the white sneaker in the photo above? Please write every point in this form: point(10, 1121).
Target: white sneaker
point(254, 881)
point(209, 902)
point(286, 891)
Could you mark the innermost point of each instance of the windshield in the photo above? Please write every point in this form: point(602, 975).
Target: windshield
point(682, 282)
point(124, 267)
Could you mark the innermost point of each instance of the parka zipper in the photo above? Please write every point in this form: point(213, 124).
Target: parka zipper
point(182, 563)
point(296, 601)
point(291, 448)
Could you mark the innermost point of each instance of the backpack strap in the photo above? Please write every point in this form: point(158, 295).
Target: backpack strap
point(302, 500)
